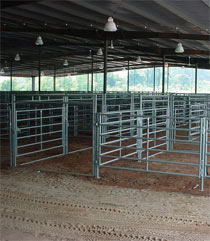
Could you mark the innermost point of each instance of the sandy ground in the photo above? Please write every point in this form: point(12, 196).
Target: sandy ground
point(43, 206)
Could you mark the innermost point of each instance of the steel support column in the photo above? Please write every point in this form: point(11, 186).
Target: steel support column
point(33, 83)
point(11, 76)
point(196, 79)
point(92, 72)
point(163, 77)
point(54, 79)
point(105, 66)
point(39, 68)
point(128, 80)
point(154, 81)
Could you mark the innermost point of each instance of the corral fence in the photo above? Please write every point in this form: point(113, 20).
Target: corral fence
point(152, 147)
point(151, 133)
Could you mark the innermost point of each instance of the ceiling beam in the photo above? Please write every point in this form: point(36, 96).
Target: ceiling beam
point(120, 34)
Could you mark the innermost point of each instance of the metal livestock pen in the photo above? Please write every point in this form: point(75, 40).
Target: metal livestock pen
point(141, 131)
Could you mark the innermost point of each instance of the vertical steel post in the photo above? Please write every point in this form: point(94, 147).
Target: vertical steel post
point(202, 152)
point(128, 79)
point(54, 79)
point(66, 99)
point(98, 144)
point(147, 146)
point(154, 81)
point(94, 136)
point(92, 72)
point(88, 82)
point(104, 118)
point(41, 130)
point(167, 128)
point(105, 66)
point(120, 132)
point(39, 68)
point(14, 133)
point(139, 126)
point(196, 78)
point(11, 73)
point(132, 107)
point(33, 82)
point(163, 77)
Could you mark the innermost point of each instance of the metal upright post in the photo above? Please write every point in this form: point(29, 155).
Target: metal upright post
point(154, 81)
point(92, 72)
point(147, 145)
point(88, 82)
point(132, 107)
point(202, 152)
point(105, 66)
point(94, 137)
point(128, 80)
point(98, 145)
point(33, 82)
point(104, 118)
point(65, 125)
point(13, 133)
point(11, 76)
point(54, 79)
point(39, 68)
point(196, 79)
point(163, 77)
point(139, 136)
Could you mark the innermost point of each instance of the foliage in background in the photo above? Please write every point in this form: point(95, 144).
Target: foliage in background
point(179, 80)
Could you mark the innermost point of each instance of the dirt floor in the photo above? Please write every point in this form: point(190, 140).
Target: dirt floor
point(120, 205)
point(45, 206)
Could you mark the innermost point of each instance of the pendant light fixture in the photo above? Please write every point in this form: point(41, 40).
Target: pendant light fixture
point(17, 57)
point(39, 41)
point(110, 25)
point(179, 48)
point(65, 63)
point(99, 52)
point(111, 45)
point(101, 66)
point(138, 60)
point(2, 71)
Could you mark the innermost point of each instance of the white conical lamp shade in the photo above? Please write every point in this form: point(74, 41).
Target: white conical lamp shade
point(138, 60)
point(111, 45)
point(2, 71)
point(39, 41)
point(110, 25)
point(101, 66)
point(17, 57)
point(179, 49)
point(65, 63)
point(100, 52)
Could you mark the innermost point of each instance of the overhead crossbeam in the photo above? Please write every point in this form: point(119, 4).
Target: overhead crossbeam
point(101, 35)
